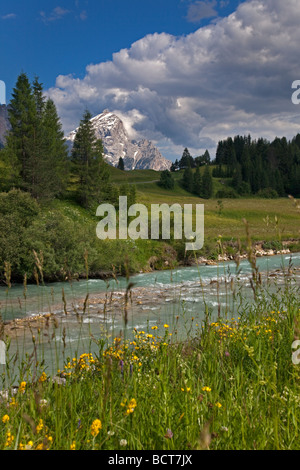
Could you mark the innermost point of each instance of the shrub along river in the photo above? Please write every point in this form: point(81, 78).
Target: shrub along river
point(78, 313)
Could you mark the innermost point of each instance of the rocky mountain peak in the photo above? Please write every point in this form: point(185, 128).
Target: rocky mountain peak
point(116, 142)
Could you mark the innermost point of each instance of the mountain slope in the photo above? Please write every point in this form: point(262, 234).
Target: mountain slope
point(116, 142)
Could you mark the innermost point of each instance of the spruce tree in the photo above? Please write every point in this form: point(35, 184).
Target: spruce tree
point(39, 97)
point(237, 177)
point(20, 140)
point(207, 184)
point(197, 185)
point(166, 180)
point(54, 156)
point(121, 164)
point(35, 144)
point(88, 164)
point(188, 179)
point(186, 160)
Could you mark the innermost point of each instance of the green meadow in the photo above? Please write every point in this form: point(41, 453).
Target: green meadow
point(267, 218)
point(232, 385)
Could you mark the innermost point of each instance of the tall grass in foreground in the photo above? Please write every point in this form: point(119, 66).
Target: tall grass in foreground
point(233, 385)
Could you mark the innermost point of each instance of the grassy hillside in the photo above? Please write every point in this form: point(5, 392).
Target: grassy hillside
point(268, 219)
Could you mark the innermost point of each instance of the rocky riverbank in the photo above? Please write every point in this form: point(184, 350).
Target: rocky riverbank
point(257, 252)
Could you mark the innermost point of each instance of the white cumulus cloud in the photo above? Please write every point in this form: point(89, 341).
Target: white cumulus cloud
point(231, 77)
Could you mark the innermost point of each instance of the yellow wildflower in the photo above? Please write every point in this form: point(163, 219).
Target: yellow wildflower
point(131, 406)
point(13, 403)
point(9, 439)
point(22, 387)
point(29, 445)
point(40, 426)
point(206, 389)
point(73, 446)
point(43, 377)
point(95, 427)
point(5, 419)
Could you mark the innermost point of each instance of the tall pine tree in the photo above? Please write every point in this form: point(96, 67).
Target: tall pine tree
point(207, 184)
point(54, 155)
point(188, 179)
point(88, 164)
point(197, 187)
point(35, 144)
point(20, 140)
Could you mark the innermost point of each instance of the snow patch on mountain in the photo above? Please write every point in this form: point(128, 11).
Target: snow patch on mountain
point(140, 155)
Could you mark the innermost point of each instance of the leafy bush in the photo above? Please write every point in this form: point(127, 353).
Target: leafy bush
point(166, 180)
point(226, 192)
point(267, 193)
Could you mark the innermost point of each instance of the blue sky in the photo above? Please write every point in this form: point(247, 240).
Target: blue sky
point(182, 73)
point(49, 38)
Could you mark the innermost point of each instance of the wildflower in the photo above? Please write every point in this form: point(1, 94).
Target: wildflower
point(130, 407)
point(29, 445)
point(22, 387)
point(123, 442)
point(169, 434)
point(224, 429)
point(13, 403)
point(40, 426)
point(166, 326)
point(218, 405)
point(9, 439)
point(5, 419)
point(206, 389)
point(43, 377)
point(154, 328)
point(73, 446)
point(95, 427)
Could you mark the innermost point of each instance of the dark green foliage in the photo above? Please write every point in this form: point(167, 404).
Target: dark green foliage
point(54, 154)
point(21, 141)
point(128, 190)
point(267, 193)
point(58, 241)
point(226, 193)
point(188, 179)
point(166, 180)
point(121, 164)
point(186, 160)
point(197, 186)
point(35, 154)
point(175, 166)
point(203, 159)
point(207, 184)
point(260, 164)
point(88, 165)
point(17, 212)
